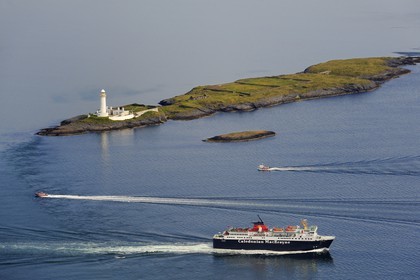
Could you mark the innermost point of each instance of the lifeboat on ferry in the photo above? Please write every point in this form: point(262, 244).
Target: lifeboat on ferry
point(41, 194)
point(291, 228)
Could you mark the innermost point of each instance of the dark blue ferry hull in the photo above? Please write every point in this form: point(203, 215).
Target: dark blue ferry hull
point(271, 245)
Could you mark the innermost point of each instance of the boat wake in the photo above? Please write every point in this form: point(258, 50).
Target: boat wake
point(400, 166)
point(295, 168)
point(158, 200)
point(129, 249)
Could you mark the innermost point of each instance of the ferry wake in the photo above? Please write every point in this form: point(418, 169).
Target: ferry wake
point(261, 237)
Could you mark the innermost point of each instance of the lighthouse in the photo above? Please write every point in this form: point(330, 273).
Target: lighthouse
point(103, 112)
point(114, 114)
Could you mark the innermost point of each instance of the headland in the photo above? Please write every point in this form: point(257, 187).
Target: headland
point(332, 78)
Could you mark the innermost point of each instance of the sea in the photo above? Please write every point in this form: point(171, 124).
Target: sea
point(144, 203)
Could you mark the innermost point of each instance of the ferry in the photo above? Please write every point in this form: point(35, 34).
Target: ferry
point(299, 238)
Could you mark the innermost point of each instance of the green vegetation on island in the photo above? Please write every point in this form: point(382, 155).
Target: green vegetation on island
point(364, 68)
point(336, 77)
point(325, 79)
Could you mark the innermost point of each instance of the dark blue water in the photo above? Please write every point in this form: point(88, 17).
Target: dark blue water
point(351, 166)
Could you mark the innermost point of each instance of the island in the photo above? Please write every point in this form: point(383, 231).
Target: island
point(332, 78)
point(241, 136)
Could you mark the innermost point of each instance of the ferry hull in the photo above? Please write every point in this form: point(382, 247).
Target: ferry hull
point(271, 245)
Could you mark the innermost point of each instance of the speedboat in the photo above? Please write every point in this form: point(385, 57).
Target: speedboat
point(41, 194)
point(263, 167)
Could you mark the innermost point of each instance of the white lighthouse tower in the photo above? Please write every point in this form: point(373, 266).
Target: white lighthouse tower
point(103, 112)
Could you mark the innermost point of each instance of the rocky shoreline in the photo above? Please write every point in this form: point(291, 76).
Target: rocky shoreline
point(74, 126)
point(249, 94)
point(271, 101)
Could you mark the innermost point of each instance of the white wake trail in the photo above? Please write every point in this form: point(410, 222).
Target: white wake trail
point(157, 200)
point(200, 202)
point(296, 168)
point(122, 250)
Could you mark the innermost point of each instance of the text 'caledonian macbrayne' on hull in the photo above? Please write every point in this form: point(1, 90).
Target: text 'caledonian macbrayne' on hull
point(260, 237)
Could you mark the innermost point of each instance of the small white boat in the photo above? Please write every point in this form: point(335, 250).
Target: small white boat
point(263, 167)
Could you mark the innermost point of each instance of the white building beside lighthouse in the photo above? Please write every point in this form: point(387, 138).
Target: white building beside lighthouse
point(115, 114)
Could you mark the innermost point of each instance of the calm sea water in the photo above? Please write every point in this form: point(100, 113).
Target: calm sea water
point(149, 200)
point(353, 166)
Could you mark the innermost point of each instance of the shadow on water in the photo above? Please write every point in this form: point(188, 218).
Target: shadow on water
point(324, 256)
point(303, 266)
point(412, 53)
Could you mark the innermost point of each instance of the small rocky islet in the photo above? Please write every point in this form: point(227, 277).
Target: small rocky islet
point(332, 78)
point(241, 136)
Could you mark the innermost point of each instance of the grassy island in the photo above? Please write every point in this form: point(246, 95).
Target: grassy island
point(241, 136)
point(325, 79)
point(336, 77)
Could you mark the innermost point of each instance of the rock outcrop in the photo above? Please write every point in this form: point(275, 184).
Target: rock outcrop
point(241, 136)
